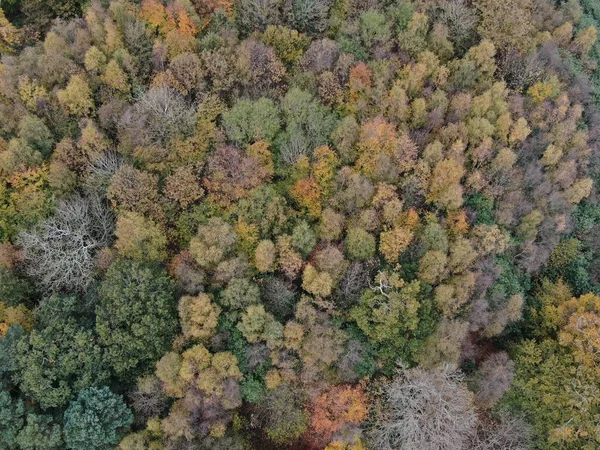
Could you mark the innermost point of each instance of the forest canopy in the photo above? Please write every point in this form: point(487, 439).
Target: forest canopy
point(299, 224)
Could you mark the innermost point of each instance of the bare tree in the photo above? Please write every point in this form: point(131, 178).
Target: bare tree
point(147, 399)
point(159, 115)
point(294, 148)
point(321, 56)
point(426, 410)
point(506, 433)
point(101, 170)
point(494, 378)
point(59, 253)
point(461, 20)
point(352, 284)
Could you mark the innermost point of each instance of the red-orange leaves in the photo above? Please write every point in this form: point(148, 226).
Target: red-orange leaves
point(308, 193)
point(169, 18)
point(339, 406)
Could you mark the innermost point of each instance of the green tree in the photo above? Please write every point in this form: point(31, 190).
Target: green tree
point(547, 374)
point(305, 116)
point(8, 352)
point(247, 121)
point(11, 420)
point(303, 238)
point(388, 312)
point(137, 315)
point(374, 28)
point(96, 420)
point(36, 134)
point(15, 290)
point(40, 433)
point(59, 356)
point(360, 244)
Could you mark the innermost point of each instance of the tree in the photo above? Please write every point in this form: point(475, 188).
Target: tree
point(260, 70)
point(338, 407)
point(444, 345)
point(426, 409)
point(40, 433)
point(579, 190)
point(585, 39)
point(16, 290)
point(199, 316)
point(97, 419)
point(461, 21)
point(282, 414)
point(279, 298)
point(303, 238)
point(331, 260)
point(378, 143)
point(183, 185)
point(159, 115)
point(11, 315)
point(36, 134)
point(11, 36)
point(393, 242)
point(432, 266)
point(59, 254)
point(388, 311)
point(148, 398)
point(445, 189)
point(232, 174)
point(315, 282)
point(264, 256)
point(239, 293)
point(505, 431)
point(187, 70)
point(373, 28)
point(494, 378)
point(139, 238)
point(579, 325)
point(76, 97)
point(304, 115)
point(247, 121)
point(360, 244)
point(115, 77)
point(134, 190)
point(497, 26)
point(257, 324)
point(94, 60)
point(11, 420)
point(287, 43)
point(309, 195)
point(307, 16)
point(59, 357)
point(257, 14)
point(546, 373)
point(136, 317)
point(213, 242)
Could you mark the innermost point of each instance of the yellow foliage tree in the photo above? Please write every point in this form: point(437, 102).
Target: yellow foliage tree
point(76, 97)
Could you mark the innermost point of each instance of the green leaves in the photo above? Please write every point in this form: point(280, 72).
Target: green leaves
point(249, 121)
point(97, 420)
point(59, 357)
point(137, 315)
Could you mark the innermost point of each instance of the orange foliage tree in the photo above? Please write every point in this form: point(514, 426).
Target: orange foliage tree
point(337, 407)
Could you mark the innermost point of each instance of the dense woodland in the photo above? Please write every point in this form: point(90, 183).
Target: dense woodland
point(299, 224)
